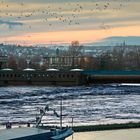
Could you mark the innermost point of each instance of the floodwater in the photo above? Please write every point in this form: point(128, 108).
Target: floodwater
point(97, 104)
point(128, 134)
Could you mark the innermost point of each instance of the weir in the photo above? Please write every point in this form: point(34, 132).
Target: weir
point(78, 77)
point(97, 76)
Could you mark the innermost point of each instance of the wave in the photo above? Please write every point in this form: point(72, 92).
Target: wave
point(92, 104)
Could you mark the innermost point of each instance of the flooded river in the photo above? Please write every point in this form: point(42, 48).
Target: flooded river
point(97, 104)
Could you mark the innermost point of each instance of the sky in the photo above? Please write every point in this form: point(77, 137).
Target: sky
point(62, 21)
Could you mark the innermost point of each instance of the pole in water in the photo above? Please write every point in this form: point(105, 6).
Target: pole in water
point(61, 113)
point(72, 122)
point(72, 125)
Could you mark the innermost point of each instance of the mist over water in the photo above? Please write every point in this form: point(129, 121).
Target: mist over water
point(96, 104)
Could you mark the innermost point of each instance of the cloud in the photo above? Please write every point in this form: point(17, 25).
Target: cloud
point(10, 24)
point(67, 15)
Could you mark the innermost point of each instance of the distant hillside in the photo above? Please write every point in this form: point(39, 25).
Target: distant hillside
point(117, 40)
point(129, 43)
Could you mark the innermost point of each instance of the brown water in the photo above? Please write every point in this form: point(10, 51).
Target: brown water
point(128, 134)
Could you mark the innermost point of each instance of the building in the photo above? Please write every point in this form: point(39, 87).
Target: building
point(66, 62)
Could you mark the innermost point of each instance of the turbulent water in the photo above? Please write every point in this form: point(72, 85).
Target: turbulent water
point(87, 105)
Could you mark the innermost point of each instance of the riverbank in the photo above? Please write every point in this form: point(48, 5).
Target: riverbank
point(88, 128)
point(106, 127)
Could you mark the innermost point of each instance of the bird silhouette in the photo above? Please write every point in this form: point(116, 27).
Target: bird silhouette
point(59, 14)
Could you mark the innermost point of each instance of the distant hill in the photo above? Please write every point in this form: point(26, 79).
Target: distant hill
point(116, 40)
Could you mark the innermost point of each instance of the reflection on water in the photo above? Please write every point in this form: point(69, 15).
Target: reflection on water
point(129, 134)
point(87, 105)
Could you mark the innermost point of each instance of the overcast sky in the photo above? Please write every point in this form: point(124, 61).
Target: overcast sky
point(56, 21)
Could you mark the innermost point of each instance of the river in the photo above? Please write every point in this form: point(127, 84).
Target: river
point(97, 104)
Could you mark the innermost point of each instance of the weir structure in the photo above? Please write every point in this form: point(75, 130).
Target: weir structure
point(97, 76)
point(74, 77)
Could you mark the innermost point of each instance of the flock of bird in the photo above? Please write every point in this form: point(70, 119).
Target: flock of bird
point(48, 14)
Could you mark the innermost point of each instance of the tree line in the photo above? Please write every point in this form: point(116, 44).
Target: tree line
point(116, 59)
